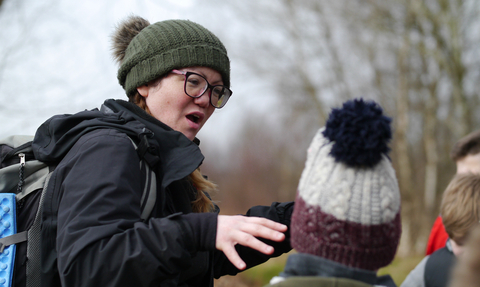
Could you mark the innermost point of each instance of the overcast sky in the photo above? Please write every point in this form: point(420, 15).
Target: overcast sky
point(55, 58)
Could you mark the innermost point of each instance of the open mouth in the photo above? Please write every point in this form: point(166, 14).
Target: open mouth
point(193, 118)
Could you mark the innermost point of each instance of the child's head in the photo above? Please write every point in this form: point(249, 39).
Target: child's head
point(460, 207)
point(466, 153)
point(468, 145)
point(348, 201)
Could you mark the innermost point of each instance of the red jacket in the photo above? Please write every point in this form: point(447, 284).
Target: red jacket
point(438, 236)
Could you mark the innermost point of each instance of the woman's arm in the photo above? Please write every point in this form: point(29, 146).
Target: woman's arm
point(100, 239)
point(275, 241)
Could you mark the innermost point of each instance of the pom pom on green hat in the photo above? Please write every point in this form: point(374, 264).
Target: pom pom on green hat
point(167, 45)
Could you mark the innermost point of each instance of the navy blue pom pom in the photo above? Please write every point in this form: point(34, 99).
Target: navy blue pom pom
point(360, 133)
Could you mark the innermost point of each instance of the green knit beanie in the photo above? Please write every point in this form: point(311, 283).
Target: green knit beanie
point(167, 45)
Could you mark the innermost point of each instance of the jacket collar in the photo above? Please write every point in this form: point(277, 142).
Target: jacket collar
point(178, 155)
point(112, 105)
point(302, 264)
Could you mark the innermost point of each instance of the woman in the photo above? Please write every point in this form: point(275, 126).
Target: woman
point(175, 73)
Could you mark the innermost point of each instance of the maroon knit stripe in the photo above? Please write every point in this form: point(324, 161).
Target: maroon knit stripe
point(353, 244)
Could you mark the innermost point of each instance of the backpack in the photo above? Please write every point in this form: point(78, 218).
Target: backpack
point(26, 177)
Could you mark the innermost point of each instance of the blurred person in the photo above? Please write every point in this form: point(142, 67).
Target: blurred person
point(175, 74)
point(346, 220)
point(466, 272)
point(466, 154)
point(460, 209)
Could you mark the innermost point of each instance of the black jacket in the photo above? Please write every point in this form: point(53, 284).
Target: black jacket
point(92, 205)
point(438, 268)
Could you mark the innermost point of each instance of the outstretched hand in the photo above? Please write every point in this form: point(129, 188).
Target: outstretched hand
point(237, 229)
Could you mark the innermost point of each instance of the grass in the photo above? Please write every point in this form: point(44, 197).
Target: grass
point(260, 275)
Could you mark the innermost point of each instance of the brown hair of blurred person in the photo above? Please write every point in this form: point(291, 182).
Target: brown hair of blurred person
point(466, 153)
point(460, 207)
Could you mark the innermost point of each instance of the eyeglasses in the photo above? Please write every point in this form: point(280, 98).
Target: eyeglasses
point(196, 85)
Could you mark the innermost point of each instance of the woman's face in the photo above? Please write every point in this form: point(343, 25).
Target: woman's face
point(169, 104)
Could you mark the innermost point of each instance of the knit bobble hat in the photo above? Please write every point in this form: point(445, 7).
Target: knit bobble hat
point(167, 45)
point(347, 207)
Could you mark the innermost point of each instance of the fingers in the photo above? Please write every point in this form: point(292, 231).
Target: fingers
point(232, 230)
point(232, 255)
point(251, 241)
point(250, 231)
point(268, 227)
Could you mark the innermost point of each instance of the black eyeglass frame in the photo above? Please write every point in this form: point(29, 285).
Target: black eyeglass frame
point(208, 86)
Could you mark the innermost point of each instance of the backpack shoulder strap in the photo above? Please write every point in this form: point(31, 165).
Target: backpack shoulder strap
point(149, 196)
